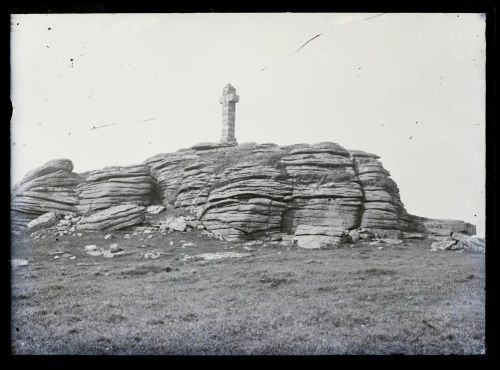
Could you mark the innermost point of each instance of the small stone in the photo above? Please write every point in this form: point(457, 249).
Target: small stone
point(150, 237)
point(126, 236)
point(79, 234)
point(380, 247)
point(66, 255)
point(177, 224)
point(147, 231)
point(108, 236)
point(72, 257)
point(134, 233)
point(154, 210)
point(354, 235)
point(391, 241)
point(113, 248)
point(18, 262)
point(188, 245)
point(56, 257)
point(151, 255)
point(412, 236)
point(90, 248)
point(171, 242)
point(201, 227)
point(58, 251)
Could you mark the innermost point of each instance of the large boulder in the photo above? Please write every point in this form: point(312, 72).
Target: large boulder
point(49, 188)
point(113, 218)
point(470, 243)
point(443, 245)
point(46, 220)
point(113, 186)
point(317, 237)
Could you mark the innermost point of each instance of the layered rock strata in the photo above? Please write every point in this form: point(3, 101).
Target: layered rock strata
point(113, 186)
point(113, 218)
point(49, 188)
point(321, 194)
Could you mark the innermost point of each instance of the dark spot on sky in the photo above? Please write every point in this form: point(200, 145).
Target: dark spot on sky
point(47, 46)
point(411, 137)
point(49, 29)
point(475, 215)
point(17, 24)
point(69, 133)
point(359, 68)
point(458, 15)
point(71, 59)
point(416, 122)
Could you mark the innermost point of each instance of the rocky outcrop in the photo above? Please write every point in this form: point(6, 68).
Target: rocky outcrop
point(113, 218)
point(49, 188)
point(441, 229)
point(321, 195)
point(113, 186)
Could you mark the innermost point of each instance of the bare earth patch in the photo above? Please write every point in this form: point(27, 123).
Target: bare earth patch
point(359, 300)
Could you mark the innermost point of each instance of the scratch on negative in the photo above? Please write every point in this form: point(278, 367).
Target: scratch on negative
point(374, 16)
point(110, 124)
point(308, 41)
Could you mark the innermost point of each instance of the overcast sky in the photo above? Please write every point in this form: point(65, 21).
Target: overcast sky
point(408, 87)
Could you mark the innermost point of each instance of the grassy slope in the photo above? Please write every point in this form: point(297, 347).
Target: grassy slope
point(402, 299)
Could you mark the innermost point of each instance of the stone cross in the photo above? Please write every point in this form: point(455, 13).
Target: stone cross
point(228, 101)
